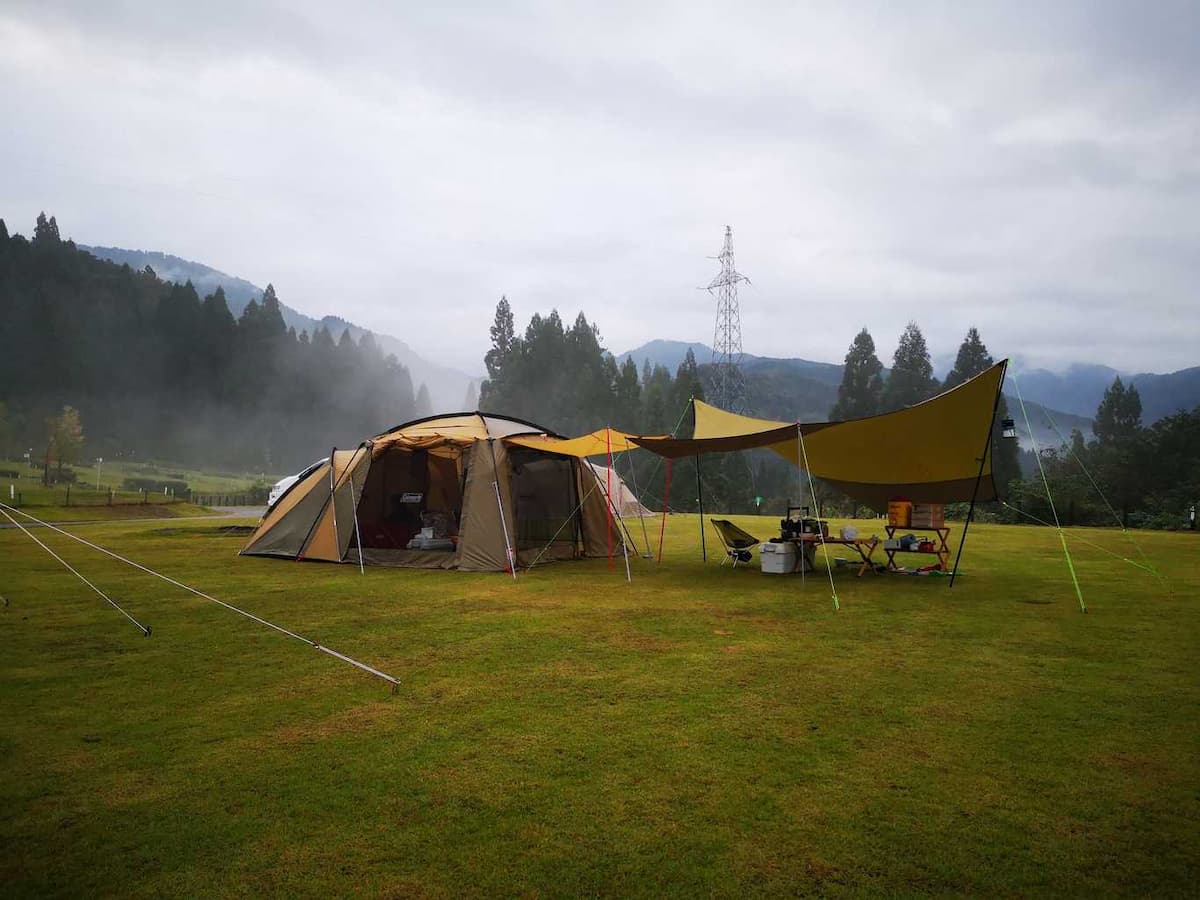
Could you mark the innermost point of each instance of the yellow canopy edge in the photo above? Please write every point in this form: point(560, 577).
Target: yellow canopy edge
point(597, 443)
point(930, 452)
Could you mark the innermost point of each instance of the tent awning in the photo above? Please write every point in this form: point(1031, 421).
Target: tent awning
point(597, 443)
point(928, 453)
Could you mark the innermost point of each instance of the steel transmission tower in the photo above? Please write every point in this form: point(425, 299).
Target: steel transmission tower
point(727, 383)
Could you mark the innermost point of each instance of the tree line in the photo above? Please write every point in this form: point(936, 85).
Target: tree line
point(146, 369)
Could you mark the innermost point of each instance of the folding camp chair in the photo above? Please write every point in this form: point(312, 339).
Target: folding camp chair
point(737, 542)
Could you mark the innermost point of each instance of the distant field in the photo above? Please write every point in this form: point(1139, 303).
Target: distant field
point(106, 488)
point(701, 731)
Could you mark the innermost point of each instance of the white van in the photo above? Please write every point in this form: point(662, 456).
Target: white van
point(281, 486)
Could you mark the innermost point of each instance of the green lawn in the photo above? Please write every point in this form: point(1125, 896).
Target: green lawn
point(701, 731)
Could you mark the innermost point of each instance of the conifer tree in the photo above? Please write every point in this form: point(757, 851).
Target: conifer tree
point(502, 339)
point(911, 379)
point(861, 389)
point(973, 358)
point(1119, 415)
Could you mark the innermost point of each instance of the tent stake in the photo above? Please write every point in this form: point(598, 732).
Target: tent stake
point(987, 449)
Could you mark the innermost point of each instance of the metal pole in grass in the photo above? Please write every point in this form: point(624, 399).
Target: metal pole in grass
point(145, 629)
point(1046, 483)
point(662, 531)
point(394, 682)
point(512, 557)
point(987, 449)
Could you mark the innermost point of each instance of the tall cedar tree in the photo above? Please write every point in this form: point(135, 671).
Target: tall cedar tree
point(911, 379)
point(861, 389)
point(1119, 415)
point(973, 358)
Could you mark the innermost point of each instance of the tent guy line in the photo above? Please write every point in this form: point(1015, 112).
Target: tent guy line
point(394, 682)
point(109, 600)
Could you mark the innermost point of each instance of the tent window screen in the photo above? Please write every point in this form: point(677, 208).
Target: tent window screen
point(543, 490)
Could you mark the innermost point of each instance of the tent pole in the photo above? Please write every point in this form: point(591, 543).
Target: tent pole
point(622, 533)
point(987, 449)
point(666, 507)
point(512, 558)
point(700, 503)
point(357, 532)
point(608, 493)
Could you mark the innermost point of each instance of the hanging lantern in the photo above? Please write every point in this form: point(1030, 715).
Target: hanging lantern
point(1008, 429)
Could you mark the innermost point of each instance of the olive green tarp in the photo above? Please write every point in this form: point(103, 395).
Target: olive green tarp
point(937, 451)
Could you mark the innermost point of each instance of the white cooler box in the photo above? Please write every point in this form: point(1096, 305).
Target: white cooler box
point(780, 559)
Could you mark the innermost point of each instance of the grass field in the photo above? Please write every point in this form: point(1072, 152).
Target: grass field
point(701, 731)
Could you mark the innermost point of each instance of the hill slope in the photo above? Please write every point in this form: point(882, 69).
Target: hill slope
point(447, 386)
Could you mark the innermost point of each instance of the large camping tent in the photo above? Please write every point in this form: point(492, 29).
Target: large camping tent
point(482, 483)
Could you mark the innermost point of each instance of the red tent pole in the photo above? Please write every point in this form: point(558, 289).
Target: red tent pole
point(608, 493)
point(666, 504)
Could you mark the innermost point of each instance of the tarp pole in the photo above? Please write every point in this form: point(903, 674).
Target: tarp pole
point(608, 493)
point(700, 503)
point(1046, 483)
point(666, 507)
point(623, 533)
point(987, 449)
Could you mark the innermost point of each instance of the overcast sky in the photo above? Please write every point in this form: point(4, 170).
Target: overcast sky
point(1032, 169)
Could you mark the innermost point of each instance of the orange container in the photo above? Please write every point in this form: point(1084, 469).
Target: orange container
point(899, 513)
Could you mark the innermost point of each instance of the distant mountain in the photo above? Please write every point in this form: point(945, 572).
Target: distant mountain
point(1081, 387)
point(447, 386)
point(666, 353)
point(672, 353)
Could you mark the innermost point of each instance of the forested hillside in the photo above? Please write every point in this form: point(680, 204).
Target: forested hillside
point(446, 386)
point(155, 370)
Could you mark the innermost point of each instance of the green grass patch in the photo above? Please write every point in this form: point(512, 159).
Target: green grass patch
point(700, 731)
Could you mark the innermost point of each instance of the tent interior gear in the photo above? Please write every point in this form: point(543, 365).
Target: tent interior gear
point(451, 492)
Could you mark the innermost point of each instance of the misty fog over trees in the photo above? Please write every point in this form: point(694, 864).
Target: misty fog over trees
point(156, 371)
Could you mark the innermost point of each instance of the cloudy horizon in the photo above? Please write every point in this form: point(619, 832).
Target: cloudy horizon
point(1031, 170)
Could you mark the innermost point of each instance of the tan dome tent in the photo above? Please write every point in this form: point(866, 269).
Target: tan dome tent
point(444, 492)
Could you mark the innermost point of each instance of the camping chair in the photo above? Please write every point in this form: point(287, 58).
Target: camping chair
point(737, 542)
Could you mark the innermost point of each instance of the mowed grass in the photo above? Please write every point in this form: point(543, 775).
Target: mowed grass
point(700, 731)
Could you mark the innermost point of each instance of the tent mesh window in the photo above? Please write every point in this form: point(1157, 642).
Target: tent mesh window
point(544, 495)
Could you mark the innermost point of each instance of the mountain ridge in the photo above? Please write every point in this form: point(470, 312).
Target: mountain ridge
point(447, 386)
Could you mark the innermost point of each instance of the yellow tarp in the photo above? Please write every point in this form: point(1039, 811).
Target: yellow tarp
point(598, 443)
point(930, 452)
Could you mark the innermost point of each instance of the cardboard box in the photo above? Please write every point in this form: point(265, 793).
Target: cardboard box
point(928, 515)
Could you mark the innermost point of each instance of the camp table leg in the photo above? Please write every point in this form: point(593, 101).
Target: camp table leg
point(866, 555)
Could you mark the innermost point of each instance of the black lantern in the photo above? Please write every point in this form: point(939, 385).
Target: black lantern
point(1008, 429)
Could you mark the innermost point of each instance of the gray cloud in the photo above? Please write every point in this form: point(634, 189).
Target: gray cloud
point(1028, 168)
